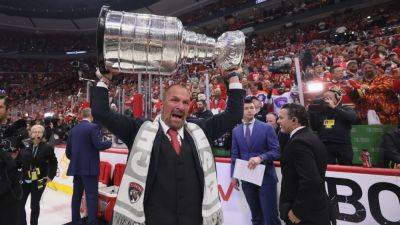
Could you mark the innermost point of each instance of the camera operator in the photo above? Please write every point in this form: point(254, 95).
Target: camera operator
point(333, 122)
point(10, 186)
point(58, 131)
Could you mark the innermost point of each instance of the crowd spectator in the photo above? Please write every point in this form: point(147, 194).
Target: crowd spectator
point(23, 42)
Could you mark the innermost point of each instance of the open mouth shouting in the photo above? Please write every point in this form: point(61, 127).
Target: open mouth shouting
point(177, 115)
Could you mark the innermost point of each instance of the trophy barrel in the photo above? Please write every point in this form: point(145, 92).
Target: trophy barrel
point(138, 43)
point(151, 44)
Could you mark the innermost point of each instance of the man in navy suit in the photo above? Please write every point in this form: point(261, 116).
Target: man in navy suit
point(83, 146)
point(256, 142)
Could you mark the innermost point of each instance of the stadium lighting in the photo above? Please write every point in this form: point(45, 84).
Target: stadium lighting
point(75, 52)
point(315, 86)
point(48, 114)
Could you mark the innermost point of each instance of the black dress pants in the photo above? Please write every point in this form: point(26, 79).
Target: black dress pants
point(36, 194)
point(9, 209)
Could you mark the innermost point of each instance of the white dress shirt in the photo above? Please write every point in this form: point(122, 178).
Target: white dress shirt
point(165, 128)
point(295, 130)
point(251, 125)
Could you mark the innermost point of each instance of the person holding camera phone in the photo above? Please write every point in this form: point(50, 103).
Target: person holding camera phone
point(39, 166)
point(333, 122)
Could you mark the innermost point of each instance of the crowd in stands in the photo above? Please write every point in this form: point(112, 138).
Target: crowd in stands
point(364, 67)
point(260, 15)
point(226, 7)
point(361, 22)
point(39, 86)
point(36, 42)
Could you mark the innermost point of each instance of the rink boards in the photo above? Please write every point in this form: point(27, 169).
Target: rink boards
point(361, 195)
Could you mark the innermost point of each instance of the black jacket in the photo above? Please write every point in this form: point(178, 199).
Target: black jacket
point(204, 115)
point(391, 148)
point(44, 159)
point(126, 128)
point(261, 115)
point(304, 162)
point(9, 177)
point(340, 132)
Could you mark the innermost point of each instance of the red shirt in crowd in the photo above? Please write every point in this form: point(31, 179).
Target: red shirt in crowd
point(381, 97)
point(217, 106)
point(223, 89)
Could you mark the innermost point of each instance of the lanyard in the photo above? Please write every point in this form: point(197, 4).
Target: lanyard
point(35, 149)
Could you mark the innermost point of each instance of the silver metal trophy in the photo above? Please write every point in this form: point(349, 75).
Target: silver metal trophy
point(151, 44)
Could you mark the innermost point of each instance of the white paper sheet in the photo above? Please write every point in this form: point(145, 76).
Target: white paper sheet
point(242, 172)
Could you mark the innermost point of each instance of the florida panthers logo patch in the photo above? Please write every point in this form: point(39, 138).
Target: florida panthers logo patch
point(135, 191)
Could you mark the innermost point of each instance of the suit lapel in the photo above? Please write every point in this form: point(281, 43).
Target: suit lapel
point(157, 146)
point(302, 130)
point(192, 147)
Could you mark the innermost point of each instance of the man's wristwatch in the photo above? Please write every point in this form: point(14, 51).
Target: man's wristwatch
point(229, 76)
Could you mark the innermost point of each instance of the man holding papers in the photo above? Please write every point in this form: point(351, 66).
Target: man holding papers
point(257, 143)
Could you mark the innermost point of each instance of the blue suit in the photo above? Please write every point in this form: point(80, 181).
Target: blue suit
point(264, 143)
point(83, 146)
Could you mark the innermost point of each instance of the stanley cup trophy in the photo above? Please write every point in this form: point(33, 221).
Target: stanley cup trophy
point(151, 44)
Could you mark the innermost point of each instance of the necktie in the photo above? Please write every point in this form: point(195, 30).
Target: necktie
point(247, 134)
point(174, 140)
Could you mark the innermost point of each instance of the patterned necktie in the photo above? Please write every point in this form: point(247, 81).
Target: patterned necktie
point(174, 140)
point(247, 134)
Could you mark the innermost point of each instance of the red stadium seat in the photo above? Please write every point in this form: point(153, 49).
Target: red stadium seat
point(105, 173)
point(108, 195)
point(118, 173)
point(109, 210)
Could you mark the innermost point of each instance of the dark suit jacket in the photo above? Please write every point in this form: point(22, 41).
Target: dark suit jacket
point(45, 160)
point(264, 143)
point(303, 164)
point(83, 146)
point(126, 128)
point(390, 148)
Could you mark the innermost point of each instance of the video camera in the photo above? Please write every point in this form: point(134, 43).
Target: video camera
point(280, 65)
point(12, 136)
point(318, 105)
point(316, 110)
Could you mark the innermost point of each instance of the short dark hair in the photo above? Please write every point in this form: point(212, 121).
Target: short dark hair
point(5, 98)
point(297, 111)
point(248, 100)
